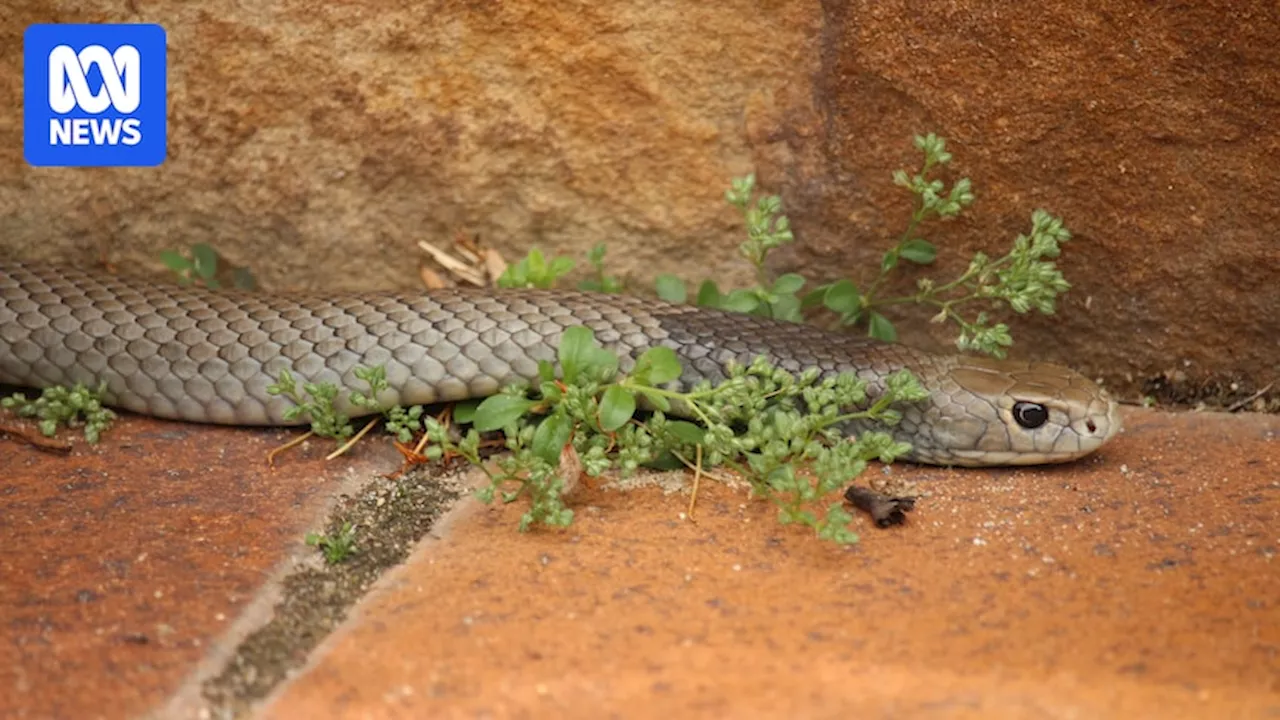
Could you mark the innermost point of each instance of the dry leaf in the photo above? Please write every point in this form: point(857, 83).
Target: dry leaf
point(494, 264)
point(431, 279)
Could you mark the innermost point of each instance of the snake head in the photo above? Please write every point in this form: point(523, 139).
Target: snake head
point(1003, 412)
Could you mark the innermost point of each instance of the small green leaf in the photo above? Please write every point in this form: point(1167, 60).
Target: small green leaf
point(595, 255)
point(465, 411)
point(882, 329)
point(786, 307)
point(537, 264)
point(843, 297)
point(664, 461)
point(814, 297)
point(616, 407)
point(708, 294)
point(206, 260)
point(919, 251)
point(671, 288)
point(742, 301)
point(174, 261)
point(788, 284)
point(551, 437)
point(560, 266)
point(576, 344)
point(658, 366)
point(516, 275)
point(546, 371)
point(499, 411)
point(602, 364)
point(686, 432)
point(890, 261)
point(835, 526)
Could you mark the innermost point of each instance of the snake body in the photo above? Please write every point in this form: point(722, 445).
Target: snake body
point(192, 354)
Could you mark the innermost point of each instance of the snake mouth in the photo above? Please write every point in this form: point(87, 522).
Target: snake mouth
point(978, 458)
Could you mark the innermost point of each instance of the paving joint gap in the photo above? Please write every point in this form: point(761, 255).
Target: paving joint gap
point(311, 598)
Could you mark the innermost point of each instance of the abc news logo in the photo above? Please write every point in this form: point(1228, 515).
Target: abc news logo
point(121, 90)
point(95, 95)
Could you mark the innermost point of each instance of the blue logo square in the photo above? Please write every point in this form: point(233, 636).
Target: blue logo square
point(94, 95)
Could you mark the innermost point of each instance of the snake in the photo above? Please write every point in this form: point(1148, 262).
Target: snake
point(193, 354)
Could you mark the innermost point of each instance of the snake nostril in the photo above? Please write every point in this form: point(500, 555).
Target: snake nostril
point(1092, 427)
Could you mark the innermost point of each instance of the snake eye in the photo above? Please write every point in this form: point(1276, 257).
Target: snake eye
point(1030, 415)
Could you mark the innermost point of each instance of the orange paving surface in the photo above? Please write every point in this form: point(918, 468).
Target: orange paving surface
point(1140, 583)
point(124, 561)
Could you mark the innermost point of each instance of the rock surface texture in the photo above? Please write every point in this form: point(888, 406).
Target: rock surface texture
point(318, 144)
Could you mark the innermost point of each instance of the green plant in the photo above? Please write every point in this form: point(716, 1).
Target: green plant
point(1022, 279)
point(203, 266)
point(59, 406)
point(767, 229)
point(400, 421)
point(316, 402)
point(781, 432)
point(535, 271)
point(600, 282)
point(336, 547)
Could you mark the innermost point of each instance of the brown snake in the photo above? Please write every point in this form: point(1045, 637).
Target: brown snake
point(203, 356)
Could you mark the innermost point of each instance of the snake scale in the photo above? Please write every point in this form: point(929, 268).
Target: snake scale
point(192, 354)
